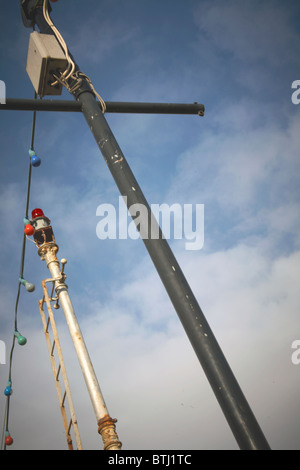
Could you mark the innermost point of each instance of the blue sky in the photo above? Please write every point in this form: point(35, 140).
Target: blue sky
point(241, 160)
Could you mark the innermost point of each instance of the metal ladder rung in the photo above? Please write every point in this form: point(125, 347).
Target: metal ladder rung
point(47, 327)
point(63, 399)
point(52, 349)
point(70, 425)
point(57, 374)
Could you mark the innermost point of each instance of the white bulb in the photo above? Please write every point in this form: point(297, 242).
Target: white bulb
point(29, 287)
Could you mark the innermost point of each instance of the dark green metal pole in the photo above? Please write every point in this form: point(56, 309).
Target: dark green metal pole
point(236, 409)
point(17, 104)
point(231, 399)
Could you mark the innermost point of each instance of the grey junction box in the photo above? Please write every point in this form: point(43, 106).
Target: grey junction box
point(44, 58)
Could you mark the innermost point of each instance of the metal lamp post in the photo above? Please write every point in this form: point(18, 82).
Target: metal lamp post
point(47, 250)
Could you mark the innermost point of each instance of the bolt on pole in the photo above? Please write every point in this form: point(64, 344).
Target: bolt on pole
point(232, 401)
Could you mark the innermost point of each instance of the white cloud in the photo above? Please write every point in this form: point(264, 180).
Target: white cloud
point(247, 180)
point(255, 24)
point(96, 44)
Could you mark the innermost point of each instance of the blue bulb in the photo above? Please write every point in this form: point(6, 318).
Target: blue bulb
point(35, 160)
point(8, 391)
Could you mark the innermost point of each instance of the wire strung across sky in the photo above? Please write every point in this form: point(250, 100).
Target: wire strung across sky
point(6, 439)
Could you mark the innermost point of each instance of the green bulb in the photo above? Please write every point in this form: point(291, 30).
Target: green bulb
point(22, 340)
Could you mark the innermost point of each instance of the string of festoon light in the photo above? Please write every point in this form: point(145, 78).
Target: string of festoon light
point(34, 161)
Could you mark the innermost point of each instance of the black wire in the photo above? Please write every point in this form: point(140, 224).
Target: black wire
point(6, 418)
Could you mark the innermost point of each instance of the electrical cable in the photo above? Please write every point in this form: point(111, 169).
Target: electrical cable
point(7, 409)
point(69, 73)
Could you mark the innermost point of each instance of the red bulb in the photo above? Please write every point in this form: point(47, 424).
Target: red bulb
point(37, 213)
point(9, 440)
point(54, 1)
point(29, 230)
